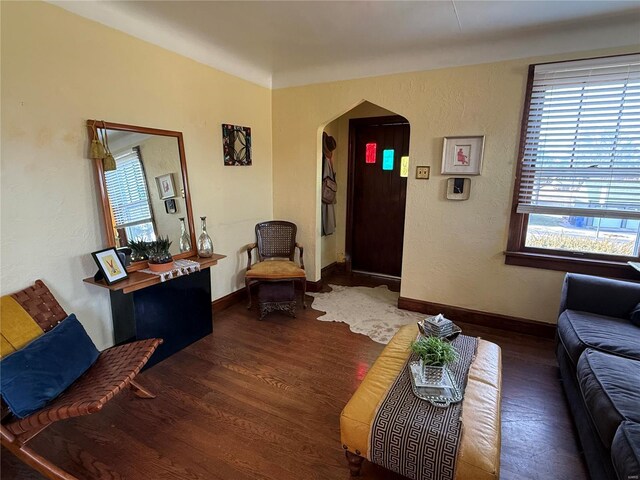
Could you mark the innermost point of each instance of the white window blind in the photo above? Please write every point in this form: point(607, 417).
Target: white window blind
point(582, 146)
point(127, 190)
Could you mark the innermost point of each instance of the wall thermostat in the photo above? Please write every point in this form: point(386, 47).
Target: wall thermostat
point(458, 188)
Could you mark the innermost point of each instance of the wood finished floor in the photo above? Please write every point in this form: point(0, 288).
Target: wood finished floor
point(261, 400)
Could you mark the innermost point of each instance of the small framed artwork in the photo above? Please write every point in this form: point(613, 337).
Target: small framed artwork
point(110, 265)
point(166, 188)
point(236, 145)
point(462, 155)
point(170, 205)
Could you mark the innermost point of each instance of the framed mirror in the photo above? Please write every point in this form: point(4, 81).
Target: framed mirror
point(144, 189)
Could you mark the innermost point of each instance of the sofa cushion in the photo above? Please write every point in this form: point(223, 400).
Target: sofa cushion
point(625, 450)
point(610, 390)
point(39, 372)
point(635, 315)
point(581, 330)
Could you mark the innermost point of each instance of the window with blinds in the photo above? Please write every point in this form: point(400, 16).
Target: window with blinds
point(582, 144)
point(578, 185)
point(127, 190)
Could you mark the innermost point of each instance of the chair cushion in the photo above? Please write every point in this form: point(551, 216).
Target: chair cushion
point(39, 372)
point(275, 269)
point(625, 450)
point(581, 330)
point(610, 390)
point(16, 326)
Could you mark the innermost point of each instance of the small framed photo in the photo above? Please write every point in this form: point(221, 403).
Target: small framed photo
point(166, 188)
point(462, 155)
point(170, 205)
point(110, 265)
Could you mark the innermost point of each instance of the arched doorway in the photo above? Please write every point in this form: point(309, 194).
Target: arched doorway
point(370, 200)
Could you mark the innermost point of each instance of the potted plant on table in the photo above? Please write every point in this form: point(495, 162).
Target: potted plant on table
point(138, 249)
point(160, 260)
point(435, 354)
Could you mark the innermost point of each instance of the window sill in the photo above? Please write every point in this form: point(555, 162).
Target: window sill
point(589, 266)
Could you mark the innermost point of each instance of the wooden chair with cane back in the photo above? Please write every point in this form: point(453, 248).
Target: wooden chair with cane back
point(276, 246)
point(113, 371)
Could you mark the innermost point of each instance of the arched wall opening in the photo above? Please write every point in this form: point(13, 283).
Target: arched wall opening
point(331, 249)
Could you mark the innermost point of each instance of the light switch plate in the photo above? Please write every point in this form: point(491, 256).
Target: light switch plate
point(423, 172)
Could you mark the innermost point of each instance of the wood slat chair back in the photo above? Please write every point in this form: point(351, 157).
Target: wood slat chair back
point(114, 370)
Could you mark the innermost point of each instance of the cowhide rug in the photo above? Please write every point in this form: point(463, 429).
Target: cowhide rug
point(370, 311)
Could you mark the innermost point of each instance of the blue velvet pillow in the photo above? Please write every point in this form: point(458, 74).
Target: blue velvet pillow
point(635, 315)
point(39, 372)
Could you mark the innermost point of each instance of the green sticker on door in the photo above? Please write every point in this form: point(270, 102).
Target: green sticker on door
point(387, 159)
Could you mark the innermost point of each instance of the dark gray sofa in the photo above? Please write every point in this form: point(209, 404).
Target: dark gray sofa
point(598, 351)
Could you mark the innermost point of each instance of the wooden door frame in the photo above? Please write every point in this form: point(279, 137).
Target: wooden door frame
point(353, 124)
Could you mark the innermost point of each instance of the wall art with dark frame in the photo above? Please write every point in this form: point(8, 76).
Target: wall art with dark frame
point(236, 145)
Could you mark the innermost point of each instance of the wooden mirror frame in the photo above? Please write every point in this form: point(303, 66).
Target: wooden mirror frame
point(92, 126)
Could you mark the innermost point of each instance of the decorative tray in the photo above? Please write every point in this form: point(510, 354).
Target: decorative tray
point(438, 396)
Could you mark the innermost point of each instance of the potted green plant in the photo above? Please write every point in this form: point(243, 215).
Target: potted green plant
point(160, 260)
point(138, 250)
point(435, 354)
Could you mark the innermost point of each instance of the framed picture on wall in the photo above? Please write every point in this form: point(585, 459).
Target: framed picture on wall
point(166, 188)
point(236, 145)
point(110, 265)
point(462, 155)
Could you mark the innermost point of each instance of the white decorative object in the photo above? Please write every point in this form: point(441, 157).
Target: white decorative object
point(436, 326)
point(181, 267)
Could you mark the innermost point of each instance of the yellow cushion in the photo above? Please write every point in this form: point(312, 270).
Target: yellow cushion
point(275, 269)
point(479, 453)
point(17, 328)
point(5, 347)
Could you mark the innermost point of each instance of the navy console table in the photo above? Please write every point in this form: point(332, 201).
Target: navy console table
point(177, 310)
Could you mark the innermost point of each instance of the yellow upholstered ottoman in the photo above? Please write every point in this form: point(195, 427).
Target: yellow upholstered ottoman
point(479, 450)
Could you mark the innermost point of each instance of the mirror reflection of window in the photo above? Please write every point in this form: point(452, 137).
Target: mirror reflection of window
point(129, 198)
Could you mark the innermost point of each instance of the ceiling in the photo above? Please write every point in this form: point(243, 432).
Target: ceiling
point(286, 43)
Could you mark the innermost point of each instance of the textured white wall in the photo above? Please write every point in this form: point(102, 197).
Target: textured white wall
point(58, 70)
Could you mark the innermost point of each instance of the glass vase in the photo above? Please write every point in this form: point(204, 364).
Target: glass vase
point(185, 240)
point(205, 244)
point(432, 375)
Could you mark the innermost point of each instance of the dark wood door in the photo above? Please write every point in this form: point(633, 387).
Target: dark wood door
point(377, 195)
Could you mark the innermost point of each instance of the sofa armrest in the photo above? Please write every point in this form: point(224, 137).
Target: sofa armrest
point(602, 296)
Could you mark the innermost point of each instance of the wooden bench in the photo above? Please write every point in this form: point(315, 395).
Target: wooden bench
point(114, 371)
point(479, 451)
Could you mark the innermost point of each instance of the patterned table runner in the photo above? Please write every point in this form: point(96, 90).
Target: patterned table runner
point(412, 437)
point(181, 267)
